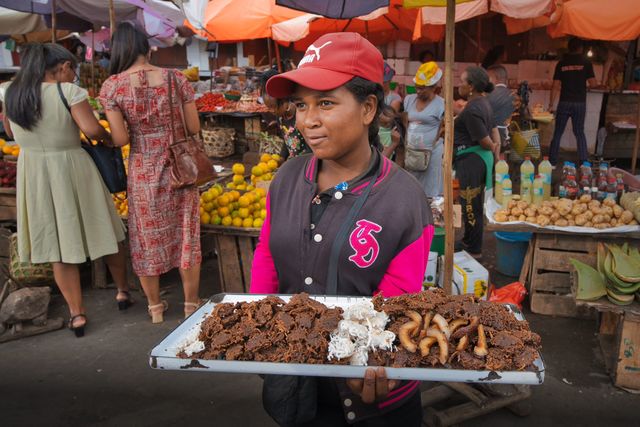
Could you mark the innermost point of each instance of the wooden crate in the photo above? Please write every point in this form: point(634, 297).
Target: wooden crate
point(235, 247)
point(8, 204)
point(551, 270)
point(619, 339)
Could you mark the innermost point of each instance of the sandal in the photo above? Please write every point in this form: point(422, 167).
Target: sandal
point(191, 307)
point(156, 311)
point(78, 330)
point(123, 304)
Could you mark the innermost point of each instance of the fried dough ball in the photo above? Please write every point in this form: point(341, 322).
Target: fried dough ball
point(512, 204)
point(580, 220)
point(531, 211)
point(501, 217)
point(607, 218)
point(585, 198)
point(517, 211)
point(589, 215)
point(523, 205)
point(554, 217)
point(522, 218)
point(601, 226)
point(588, 224)
point(594, 204)
point(606, 210)
point(609, 202)
point(579, 208)
point(547, 204)
point(598, 219)
point(561, 222)
point(531, 219)
point(564, 207)
point(543, 220)
point(513, 218)
point(626, 217)
point(572, 223)
point(546, 210)
point(617, 211)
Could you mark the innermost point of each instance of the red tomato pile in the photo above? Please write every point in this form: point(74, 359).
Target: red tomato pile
point(7, 174)
point(210, 101)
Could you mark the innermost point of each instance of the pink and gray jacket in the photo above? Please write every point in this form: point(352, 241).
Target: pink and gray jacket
point(386, 251)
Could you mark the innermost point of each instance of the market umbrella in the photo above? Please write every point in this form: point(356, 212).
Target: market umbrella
point(229, 20)
point(336, 9)
point(379, 27)
point(62, 20)
point(15, 22)
point(591, 19)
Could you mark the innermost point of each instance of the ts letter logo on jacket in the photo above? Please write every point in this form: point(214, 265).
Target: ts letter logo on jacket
point(364, 243)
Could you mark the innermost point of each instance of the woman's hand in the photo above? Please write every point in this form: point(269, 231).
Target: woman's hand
point(375, 385)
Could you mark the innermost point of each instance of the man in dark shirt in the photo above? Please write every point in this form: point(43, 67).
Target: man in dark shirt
point(570, 78)
point(501, 100)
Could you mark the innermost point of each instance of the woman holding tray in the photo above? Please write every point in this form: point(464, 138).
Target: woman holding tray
point(341, 221)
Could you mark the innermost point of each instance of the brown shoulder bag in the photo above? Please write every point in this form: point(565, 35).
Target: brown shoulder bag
point(190, 165)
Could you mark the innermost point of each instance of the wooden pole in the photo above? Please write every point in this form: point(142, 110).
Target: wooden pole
point(53, 21)
point(636, 144)
point(448, 145)
point(93, 63)
point(275, 44)
point(479, 39)
point(112, 17)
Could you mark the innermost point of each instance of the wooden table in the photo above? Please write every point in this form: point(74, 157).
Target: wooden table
point(619, 338)
point(547, 270)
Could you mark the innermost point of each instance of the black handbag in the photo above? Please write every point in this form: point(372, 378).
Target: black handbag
point(108, 160)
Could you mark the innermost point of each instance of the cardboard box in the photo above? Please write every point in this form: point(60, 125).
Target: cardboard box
point(413, 67)
point(431, 274)
point(400, 66)
point(469, 276)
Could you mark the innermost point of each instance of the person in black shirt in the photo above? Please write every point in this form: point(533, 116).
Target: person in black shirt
point(502, 101)
point(571, 76)
point(474, 141)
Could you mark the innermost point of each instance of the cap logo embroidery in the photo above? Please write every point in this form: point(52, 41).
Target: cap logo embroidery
point(364, 243)
point(314, 55)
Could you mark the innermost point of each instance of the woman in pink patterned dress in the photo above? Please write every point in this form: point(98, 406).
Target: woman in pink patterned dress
point(164, 223)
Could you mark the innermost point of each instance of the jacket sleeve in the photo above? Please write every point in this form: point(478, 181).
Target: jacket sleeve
point(406, 271)
point(264, 277)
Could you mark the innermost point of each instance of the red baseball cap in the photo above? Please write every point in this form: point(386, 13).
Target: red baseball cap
point(329, 62)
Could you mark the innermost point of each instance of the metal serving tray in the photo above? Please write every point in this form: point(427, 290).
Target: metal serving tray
point(163, 356)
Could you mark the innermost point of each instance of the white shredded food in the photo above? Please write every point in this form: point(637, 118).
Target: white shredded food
point(361, 330)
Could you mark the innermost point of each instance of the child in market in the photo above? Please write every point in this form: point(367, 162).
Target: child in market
point(344, 220)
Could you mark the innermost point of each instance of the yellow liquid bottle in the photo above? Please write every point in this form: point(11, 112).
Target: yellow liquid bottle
point(538, 190)
point(526, 179)
point(545, 169)
point(507, 191)
point(502, 173)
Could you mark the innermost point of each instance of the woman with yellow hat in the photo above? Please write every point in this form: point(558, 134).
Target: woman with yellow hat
point(425, 148)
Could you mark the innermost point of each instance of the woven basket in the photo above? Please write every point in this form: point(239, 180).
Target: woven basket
point(272, 145)
point(524, 143)
point(219, 142)
point(26, 273)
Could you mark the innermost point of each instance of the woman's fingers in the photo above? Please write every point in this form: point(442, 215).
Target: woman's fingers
point(369, 386)
point(382, 386)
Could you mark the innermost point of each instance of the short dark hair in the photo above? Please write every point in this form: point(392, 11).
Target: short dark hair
point(499, 71)
point(425, 53)
point(127, 44)
point(478, 78)
point(361, 90)
point(264, 78)
point(23, 101)
point(575, 44)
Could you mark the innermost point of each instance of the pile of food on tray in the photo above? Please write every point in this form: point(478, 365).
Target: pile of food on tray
point(429, 329)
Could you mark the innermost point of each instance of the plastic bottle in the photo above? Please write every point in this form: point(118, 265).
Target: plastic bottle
point(586, 174)
point(602, 189)
point(562, 190)
point(538, 190)
point(526, 177)
point(603, 173)
point(545, 169)
point(586, 191)
point(612, 189)
point(619, 185)
point(507, 191)
point(502, 172)
point(572, 187)
point(594, 193)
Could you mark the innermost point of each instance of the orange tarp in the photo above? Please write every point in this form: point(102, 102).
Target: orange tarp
point(234, 20)
point(597, 19)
